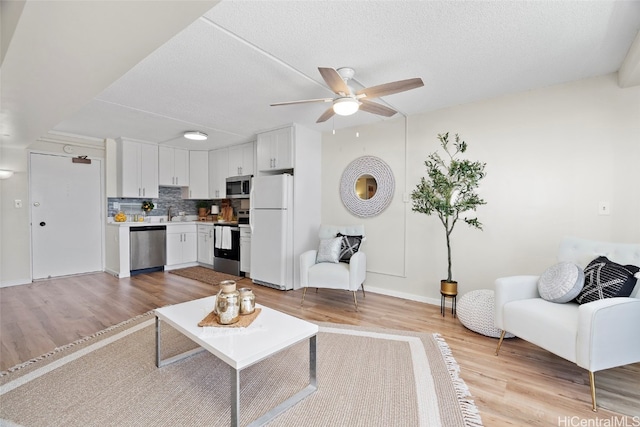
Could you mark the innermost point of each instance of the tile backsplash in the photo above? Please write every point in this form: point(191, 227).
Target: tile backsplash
point(168, 196)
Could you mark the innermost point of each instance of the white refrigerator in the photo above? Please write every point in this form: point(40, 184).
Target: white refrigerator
point(271, 220)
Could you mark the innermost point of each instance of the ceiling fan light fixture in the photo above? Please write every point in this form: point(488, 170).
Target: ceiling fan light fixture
point(345, 106)
point(195, 135)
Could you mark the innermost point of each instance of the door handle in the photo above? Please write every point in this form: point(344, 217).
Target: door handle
point(42, 224)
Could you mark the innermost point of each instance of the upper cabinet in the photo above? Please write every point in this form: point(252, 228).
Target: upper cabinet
point(198, 176)
point(275, 150)
point(173, 167)
point(218, 173)
point(241, 159)
point(137, 169)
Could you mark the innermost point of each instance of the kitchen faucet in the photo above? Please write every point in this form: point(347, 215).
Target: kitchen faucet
point(169, 214)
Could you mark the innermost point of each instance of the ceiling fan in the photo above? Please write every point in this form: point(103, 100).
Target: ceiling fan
point(349, 102)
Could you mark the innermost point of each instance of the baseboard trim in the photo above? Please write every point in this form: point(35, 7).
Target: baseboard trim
point(402, 295)
point(18, 282)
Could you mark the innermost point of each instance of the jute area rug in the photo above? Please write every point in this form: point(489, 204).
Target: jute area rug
point(366, 377)
point(204, 274)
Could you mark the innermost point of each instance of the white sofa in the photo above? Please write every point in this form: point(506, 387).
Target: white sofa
point(597, 335)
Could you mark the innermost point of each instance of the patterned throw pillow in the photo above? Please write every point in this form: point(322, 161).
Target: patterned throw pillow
point(350, 245)
point(329, 250)
point(606, 279)
point(561, 282)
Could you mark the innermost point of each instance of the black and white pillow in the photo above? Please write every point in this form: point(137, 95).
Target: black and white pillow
point(606, 279)
point(350, 245)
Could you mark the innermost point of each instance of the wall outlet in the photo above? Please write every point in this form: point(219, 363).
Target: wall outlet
point(17, 203)
point(604, 208)
point(116, 205)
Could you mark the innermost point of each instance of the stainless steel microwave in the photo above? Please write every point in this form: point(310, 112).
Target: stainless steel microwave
point(239, 187)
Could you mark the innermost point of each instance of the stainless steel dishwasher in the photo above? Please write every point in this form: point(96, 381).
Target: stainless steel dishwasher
point(147, 248)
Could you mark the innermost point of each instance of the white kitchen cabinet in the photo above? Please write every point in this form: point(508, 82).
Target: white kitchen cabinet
point(198, 176)
point(205, 244)
point(241, 159)
point(245, 250)
point(173, 167)
point(182, 244)
point(137, 166)
point(218, 173)
point(275, 149)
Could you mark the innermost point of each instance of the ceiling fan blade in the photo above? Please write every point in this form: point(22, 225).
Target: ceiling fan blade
point(304, 101)
point(334, 81)
point(326, 115)
point(375, 108)
point(389, 88)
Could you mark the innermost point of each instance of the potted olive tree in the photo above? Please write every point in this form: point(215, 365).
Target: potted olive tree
point(448, 191)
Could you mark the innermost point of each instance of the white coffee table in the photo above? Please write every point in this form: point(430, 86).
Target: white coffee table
point(272, 332)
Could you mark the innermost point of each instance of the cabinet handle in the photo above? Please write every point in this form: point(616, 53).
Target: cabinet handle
point(144, 191)
point(139, 191)
point(177, 180)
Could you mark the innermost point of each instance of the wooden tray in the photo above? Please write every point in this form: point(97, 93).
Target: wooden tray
point(245, 320)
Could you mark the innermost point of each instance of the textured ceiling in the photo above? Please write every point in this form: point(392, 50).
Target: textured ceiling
point(220, 73)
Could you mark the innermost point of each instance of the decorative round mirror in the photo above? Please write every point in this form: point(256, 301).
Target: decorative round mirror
point(367, 186)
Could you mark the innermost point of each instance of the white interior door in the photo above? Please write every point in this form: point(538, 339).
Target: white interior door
point(66, 216)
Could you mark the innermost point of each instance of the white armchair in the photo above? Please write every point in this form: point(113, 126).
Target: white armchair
point(598, 335)
point(348, 276)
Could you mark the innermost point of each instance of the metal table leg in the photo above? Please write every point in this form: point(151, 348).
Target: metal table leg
point(159, 362)
point(235, 397)
point(312, 387)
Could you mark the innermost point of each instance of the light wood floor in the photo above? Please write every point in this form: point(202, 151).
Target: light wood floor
point(525, 385)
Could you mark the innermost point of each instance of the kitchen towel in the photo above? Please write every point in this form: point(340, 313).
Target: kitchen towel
point(222, 237)
point(218, 237)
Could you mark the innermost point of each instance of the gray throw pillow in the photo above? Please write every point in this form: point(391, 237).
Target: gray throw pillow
point(561, 282)
point(329, 250)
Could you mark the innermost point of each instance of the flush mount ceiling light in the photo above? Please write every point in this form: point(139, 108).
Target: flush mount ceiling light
point(345, 106)
point(195, 135)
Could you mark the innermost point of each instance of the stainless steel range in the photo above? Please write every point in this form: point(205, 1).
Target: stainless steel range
point(226, 248)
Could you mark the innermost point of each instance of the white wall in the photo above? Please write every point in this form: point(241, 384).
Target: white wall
point(15, 258)
point(552, 155)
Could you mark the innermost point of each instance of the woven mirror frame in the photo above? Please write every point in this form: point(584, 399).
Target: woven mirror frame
point(381, 172)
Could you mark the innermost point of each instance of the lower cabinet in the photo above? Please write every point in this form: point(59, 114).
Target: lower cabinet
point(205, 244)
point(182, 244)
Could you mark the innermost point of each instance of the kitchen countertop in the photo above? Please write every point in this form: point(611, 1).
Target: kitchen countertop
point(145, 224)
